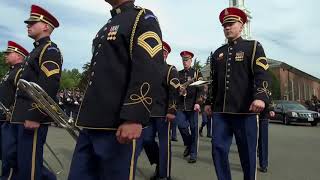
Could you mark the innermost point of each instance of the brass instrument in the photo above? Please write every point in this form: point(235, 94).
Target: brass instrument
point(8, 114)
point(46, 103)
point(192, 82)
point(5, 110)
point(183, 87)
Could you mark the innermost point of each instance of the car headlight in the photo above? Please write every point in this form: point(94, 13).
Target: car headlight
point(294, 114)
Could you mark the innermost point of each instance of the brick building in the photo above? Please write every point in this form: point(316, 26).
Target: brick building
point(294, 84)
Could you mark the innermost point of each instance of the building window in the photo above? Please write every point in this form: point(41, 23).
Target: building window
point(291, 90)
point(296, 90)
point(305, 90)
point(308, 92)
point(299, 92)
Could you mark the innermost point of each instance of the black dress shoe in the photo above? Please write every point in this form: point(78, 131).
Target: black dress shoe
point(263, 170)
point(186, 152)
point(191, 160)
point(155, 175)
point(154, 178)
point(174, 139)
point(163, 179)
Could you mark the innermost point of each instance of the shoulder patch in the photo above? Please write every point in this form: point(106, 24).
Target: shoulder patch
point(148, 16)
point(53, 48)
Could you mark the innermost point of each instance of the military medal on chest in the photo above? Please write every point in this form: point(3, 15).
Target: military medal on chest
point(220, 57)
point(113, 32)
point(239, 56)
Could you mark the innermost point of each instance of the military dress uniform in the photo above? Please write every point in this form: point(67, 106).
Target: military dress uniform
point(263, 138)
point(240, 76)
point(76, 105)
point(68, 102)
point(186, 116)
point(206, 121)
point(43, 67)
point(164, 103)
point(125, 69)
point(60, 98)
point(8, 87)
point(206, 118)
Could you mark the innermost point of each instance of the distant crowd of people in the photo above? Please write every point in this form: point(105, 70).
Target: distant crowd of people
point(313, 104)
point(69, 100)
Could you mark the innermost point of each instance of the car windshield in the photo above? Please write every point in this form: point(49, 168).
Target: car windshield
point(294, 106)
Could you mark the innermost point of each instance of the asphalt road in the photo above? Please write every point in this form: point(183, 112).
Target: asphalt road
point(294, 154)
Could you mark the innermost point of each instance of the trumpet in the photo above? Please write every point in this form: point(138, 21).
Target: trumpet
point(47, 104)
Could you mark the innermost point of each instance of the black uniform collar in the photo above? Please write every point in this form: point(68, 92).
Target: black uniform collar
point(122, 8)
point(187, 70)
point(16, 65)
point(41, 41)
point(235, 41)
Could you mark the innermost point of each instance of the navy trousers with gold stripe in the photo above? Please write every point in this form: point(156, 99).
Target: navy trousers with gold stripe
point(174, 130)
point(206, 121)
point(263, 142)
point(245, 130)
point(9, 149)
point(30, 154)
point(186, 120)
point(98, 155)
point(160, 155)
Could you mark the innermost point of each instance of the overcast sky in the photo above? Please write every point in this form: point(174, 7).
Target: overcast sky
point(288, 29)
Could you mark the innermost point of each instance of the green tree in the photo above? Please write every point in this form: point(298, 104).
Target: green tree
point(3, 66)
point(84, 76)
point(70, 78)
point(197, 64)
point(209, 59)
point(275, 87)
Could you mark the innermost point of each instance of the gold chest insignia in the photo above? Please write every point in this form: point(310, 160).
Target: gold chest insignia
point(239, 56)
point(113, 32)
